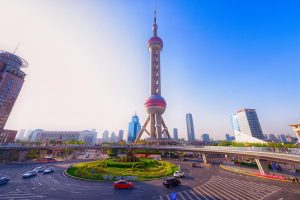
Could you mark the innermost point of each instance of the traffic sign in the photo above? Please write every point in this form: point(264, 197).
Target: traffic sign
point(172, 196)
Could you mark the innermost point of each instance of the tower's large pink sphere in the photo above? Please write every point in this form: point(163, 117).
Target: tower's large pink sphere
point(155, 40)
point(155, 104)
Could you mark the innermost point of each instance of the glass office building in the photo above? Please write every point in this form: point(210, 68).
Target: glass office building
point(190, 127)
point(134, 128)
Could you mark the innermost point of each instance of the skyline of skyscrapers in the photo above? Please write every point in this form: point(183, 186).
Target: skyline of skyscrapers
point(11, 82)
point(190, 128)
point(133, 129)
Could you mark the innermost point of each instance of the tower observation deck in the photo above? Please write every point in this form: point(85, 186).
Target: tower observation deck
point(155, 105)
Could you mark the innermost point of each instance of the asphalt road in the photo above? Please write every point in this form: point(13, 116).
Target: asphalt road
point(200, 183)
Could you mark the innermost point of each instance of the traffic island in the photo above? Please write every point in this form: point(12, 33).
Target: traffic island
point(114, 169)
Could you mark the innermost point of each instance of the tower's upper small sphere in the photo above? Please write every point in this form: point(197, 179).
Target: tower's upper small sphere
point(155, 104)
point(155, 40)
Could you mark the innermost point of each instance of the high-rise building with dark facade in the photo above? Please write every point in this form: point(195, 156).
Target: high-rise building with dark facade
point(246, 126)
point(190, 127)
point(134, 128)
point(11, 81)
point(121, 135)
point(105, 136)
point(175, 134)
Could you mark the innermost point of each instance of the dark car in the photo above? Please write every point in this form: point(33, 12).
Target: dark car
point(49, 170)
point(171, 182)
point(4, 180)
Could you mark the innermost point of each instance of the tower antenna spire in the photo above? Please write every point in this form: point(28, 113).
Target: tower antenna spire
point(155, 25)
point(16, 48)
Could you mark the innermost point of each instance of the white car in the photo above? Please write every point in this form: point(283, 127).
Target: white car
point(178, 174)
point(30, 174)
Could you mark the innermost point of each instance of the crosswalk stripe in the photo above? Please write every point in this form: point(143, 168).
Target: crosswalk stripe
point(246, 190)
point(215, 191)
point(218, 190)
point(254, 192)
point(180, 194)
point(238, 193)
point(187, 194)
point(207, 194)
point(194, 195)
point(210, 191)
point(201, 195)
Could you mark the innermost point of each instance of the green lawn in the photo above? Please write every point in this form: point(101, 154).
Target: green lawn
point(111, 169)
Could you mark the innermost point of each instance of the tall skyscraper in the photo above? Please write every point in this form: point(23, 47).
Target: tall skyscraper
point(105, 136)
point(205, 137)
point(155, 104)
point(113, 137)
point(121, 135)
point(134, 128)
point(246, 126)
point(175, 134)
point(190, 127)
point(11, 82)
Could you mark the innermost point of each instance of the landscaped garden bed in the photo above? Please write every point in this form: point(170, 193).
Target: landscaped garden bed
point(114, 169)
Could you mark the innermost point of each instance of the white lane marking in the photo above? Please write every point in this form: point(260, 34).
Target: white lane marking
point(203, 191)
point(186, 192)
point(219, 191)
point(180, 195)
point(201, 195)
point(194, 194)
point(52, 189)
point(241, 191)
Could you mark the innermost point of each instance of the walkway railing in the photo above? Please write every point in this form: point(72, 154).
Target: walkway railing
point(293, 151)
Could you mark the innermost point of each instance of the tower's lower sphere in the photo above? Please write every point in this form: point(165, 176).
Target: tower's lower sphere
point(155, 104)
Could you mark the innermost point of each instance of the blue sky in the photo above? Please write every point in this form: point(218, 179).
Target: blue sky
point(218, 57)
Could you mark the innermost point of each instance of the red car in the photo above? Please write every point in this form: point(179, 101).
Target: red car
point(123, 184)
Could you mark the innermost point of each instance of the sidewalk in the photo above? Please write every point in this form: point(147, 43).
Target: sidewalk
point(256, 173)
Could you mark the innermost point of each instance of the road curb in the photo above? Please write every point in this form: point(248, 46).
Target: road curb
point(78, 178)
point(249, 174)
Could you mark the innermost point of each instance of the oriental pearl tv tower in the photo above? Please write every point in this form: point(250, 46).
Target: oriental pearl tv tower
point(155, 104)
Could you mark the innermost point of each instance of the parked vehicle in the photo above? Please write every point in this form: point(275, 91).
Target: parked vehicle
point(171, 182)
point(123, 184)
point(4, 180)
point(40, 169)
point(30, 174)
point(49, 170)
point(178, 174)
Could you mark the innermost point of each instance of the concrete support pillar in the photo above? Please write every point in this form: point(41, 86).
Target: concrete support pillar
point(22, 156)
point(205, 158)
point(262, 166)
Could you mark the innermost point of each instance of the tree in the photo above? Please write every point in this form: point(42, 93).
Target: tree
point(52, 141)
